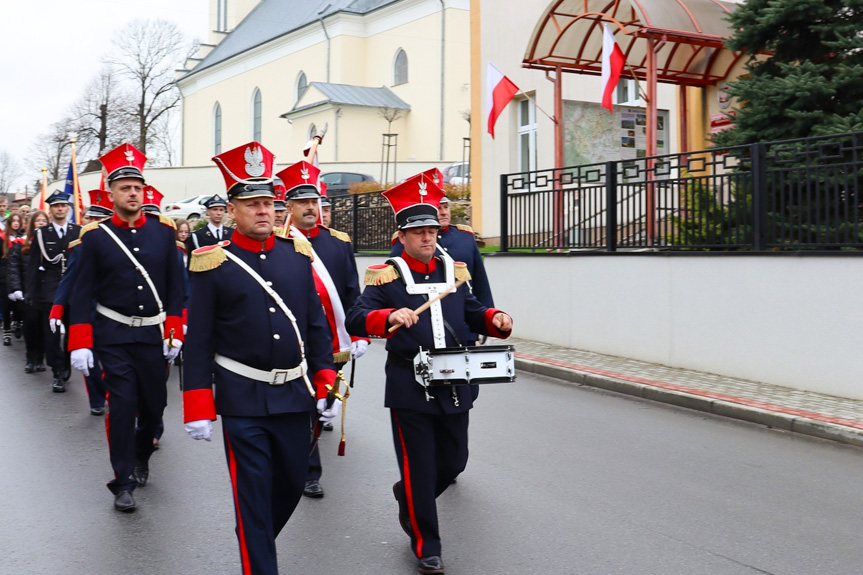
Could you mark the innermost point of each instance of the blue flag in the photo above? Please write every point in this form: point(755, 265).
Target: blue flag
point(69, 190)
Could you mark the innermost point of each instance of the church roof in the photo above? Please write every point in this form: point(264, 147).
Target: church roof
point(349, 95)
point(271, 19)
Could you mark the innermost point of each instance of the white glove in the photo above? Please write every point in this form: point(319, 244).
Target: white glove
point(16, 295)
point(185, 328)
point(328, 415)
point(82, 360)
point(57, 324)
point(358, 348)
point(200, 429)
point(172, 352)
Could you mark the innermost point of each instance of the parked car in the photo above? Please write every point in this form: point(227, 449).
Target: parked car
point(339, 183)
point(457, 174)
point(191, 208)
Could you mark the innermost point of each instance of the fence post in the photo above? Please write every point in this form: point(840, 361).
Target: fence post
point(610, 207)
point(504, 215)
point(355, 220)
point(759, 197)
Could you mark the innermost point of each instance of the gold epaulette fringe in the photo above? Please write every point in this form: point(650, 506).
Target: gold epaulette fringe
point(465, 228)
point(395, 238)
point(88, 228)
point(303, 247)
point(167, 221)
point(340, 235)
point(461, 272)
point(207, 258)
point(181, 246)
point(74, 243)
point(380, 275)
point(281, 231)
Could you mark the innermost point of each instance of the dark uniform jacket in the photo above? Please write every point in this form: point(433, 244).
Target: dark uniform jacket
point(230, 314)
point(42, 276)
point(204, 237)
point(384, 293)
point(107, 276)
point(16, 268)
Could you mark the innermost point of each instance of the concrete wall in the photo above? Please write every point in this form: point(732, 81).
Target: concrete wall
point(786, 320)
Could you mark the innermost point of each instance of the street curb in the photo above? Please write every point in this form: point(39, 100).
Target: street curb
point(760, 413)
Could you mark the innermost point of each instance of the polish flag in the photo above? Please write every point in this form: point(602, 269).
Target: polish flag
point(499, 90)
point(612, 66)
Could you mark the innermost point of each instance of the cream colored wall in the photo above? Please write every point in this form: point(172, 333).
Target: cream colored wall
point(365, 61)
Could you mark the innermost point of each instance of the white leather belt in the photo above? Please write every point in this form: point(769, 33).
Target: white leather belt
point(134, 321)
point(273, 377)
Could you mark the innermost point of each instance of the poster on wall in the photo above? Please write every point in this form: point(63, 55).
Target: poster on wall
point(592, 135)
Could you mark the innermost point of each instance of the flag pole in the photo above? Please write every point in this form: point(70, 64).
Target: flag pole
point(44, 188)
point(76, 190)
point(537, 106)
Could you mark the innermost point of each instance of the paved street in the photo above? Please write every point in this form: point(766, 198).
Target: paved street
point(584, 482)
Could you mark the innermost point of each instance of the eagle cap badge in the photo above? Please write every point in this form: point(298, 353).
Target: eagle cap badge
point(130, 156)
point(423, 191)
point(254, 162)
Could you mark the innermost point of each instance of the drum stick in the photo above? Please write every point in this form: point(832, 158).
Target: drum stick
point(428, 304)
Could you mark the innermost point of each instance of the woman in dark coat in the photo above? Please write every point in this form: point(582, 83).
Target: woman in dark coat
point(13, 311)
point(18, 284)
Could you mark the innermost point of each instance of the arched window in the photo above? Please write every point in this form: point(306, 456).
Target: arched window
point(256, 115)
point(400, 68)
point(302, 85)
point(217, 129)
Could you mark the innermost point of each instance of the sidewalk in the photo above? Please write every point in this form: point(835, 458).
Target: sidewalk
point(815, 414)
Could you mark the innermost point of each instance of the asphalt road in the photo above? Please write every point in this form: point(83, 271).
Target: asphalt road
point(561, 480)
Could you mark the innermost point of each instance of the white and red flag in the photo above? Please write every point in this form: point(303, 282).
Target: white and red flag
point(612, 66)
point(499, 90)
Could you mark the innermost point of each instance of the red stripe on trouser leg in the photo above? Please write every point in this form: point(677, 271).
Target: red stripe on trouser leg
point(409, 498)
point(232, 466)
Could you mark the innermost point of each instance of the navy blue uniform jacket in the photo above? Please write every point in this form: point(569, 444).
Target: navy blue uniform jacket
point(106, 275)
point(380, 298)
point(230, 314)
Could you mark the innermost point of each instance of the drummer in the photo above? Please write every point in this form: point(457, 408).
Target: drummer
point(429, 429)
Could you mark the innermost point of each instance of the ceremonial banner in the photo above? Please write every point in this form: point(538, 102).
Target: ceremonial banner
point(499, 90)
point(612, 66)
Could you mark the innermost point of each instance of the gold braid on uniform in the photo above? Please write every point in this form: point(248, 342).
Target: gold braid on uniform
point(281, 231)
point(163, 219)
point(180, 245)
point(303, 247)
point(395, 238)
point(341, 356)
point(380, 275)
point(208, 257)
point(339, 235)
point(461, 272)
point(74, 243)
point(88, 228)
point(465, 228)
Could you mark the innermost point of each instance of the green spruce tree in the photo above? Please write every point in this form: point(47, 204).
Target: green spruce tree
point(808, 78)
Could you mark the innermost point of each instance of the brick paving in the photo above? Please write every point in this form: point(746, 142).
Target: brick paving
point(816, 414)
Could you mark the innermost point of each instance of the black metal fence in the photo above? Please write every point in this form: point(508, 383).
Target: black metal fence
point(793, 194)
point(367, 217)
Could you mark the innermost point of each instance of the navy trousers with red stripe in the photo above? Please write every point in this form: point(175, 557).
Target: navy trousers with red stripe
point(431, 452)
point(267, 459)
point(136, 377)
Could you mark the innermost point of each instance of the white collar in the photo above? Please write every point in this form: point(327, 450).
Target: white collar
point(213, 228)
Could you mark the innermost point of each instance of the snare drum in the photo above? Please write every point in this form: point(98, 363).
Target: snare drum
point(463, 365)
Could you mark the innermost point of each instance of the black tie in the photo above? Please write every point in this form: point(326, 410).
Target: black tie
point(61, 233)
point(218, 234)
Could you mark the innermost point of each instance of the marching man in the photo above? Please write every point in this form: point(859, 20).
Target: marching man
point(429, 431)
point(258, 334)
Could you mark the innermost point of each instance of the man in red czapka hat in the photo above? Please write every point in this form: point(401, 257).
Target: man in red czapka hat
point(127, 305)
point(429, 431)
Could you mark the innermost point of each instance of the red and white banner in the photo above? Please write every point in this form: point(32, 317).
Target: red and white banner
point(499, 90)
point(612, 66)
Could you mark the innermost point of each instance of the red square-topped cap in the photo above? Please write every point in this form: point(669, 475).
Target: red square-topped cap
point(124, 161)
point(415, 202)
point(248, 171)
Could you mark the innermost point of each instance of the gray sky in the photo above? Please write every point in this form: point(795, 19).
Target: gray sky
point(50, 50)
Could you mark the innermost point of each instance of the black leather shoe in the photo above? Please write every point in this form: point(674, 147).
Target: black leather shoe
point(313, 489)
point(67, 373)
point(124, 502)
point(17, 330)
point(97, 411)
point(327, 427)
point(430, 564)
point(404, 517)
point(58, 386)
point(40, 367)
point(29, 367)
point(141, 473)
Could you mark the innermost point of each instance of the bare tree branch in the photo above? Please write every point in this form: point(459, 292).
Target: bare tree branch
point(10, 172)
